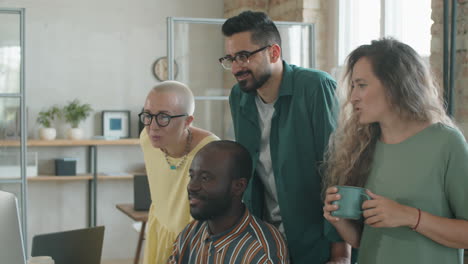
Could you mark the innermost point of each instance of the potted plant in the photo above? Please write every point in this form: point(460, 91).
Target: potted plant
point(45, 118)
point(74, 113)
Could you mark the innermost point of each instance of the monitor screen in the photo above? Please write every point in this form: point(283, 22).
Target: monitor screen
point(11, 240)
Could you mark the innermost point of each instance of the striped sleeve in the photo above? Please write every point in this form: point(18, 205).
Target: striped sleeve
point(281, 253)
point(274, 248)
point(180, 244)
point(175, 251)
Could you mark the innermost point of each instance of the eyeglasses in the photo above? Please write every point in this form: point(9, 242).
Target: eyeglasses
point(162, 119)
point(242, 58)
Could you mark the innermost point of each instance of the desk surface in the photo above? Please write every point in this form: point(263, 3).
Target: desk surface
point(135, 215)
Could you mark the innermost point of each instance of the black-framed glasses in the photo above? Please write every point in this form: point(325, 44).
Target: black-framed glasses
point(242, 58)
point(162, 119)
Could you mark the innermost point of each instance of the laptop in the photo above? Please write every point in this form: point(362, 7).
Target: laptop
point(11, 239)
point(81, 246)
point(141, 193)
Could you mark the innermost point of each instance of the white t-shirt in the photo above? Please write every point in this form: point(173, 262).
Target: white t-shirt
point(264, 168)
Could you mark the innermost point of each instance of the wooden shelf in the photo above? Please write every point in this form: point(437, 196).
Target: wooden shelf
point(78, 177)
point(60, 178)
point(68, 143)
point(107, 177)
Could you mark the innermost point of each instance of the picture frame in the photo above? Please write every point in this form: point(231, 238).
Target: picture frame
point(10, 123)
point(116, 123)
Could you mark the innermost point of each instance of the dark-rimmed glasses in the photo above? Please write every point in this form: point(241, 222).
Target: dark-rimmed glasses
point(162, 119)
point(242, 58)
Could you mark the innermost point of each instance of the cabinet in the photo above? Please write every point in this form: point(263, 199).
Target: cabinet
point(91, 176)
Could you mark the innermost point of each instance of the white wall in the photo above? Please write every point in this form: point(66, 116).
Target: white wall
point(100, 52)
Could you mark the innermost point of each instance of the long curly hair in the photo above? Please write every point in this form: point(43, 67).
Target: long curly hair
point(411, 92)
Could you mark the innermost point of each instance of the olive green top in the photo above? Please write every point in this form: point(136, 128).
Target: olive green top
point(428, 171)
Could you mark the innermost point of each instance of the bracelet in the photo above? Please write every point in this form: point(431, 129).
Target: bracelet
point(417, 223)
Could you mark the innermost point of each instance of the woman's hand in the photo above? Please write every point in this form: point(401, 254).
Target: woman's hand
point(383, 212)
point(331, 195)
point(349, 230)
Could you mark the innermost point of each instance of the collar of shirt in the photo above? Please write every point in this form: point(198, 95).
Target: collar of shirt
point(224, 238)
point(286, 87)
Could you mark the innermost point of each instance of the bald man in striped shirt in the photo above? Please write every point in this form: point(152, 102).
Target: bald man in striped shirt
point(224, 231)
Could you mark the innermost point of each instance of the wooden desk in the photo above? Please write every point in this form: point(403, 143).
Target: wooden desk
point(141, 216)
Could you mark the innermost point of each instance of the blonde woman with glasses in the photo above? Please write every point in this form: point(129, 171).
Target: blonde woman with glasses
point(169, 143)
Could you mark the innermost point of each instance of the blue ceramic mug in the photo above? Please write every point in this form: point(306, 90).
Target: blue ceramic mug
point(350, 204)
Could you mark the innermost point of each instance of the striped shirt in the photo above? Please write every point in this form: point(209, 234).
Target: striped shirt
point(250, 241)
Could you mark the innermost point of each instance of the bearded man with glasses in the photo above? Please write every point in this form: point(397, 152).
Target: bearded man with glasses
point(169, 143)
point(283, 115)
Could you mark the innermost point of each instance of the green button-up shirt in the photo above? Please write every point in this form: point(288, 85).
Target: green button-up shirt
point(304, 117)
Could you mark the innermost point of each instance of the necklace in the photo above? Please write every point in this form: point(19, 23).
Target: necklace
point(184, 158)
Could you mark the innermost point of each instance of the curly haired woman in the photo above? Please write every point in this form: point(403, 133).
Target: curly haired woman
point(395, 139)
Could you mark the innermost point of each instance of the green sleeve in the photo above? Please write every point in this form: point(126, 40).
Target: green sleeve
point(233, 104)
point(324, 114)
point(456, 176)
point(330, 232)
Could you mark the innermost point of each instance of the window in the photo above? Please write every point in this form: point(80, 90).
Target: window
point(361, 21)
point(10, 67)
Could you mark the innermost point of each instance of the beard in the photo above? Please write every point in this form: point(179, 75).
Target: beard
point(211, 208)
point(252, 84)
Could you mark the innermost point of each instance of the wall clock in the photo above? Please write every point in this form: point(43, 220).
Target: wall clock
point(161, 69)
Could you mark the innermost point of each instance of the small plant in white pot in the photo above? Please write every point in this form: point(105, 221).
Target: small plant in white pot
point(74, 113)
point(45, 118)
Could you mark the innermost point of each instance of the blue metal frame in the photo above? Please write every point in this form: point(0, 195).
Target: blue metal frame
point(449, 54)
point(24, 130)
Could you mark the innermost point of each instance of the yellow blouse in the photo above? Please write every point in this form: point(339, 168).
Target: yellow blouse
point(169, 212)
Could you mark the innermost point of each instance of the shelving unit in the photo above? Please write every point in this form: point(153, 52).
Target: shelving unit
point(77, 178)
point(91, 176)
point(69, 143)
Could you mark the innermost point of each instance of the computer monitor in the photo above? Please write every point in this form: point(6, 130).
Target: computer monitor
point(141, 193)
point(11, 239)
point(80, 246)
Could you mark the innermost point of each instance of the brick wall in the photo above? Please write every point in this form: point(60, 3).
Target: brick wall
point(319, 12)
point(461, 65)
point(436, 58)
point(234, 7)
point(461, 75)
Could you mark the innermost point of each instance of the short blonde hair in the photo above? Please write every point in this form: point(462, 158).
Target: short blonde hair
point(182, 91)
